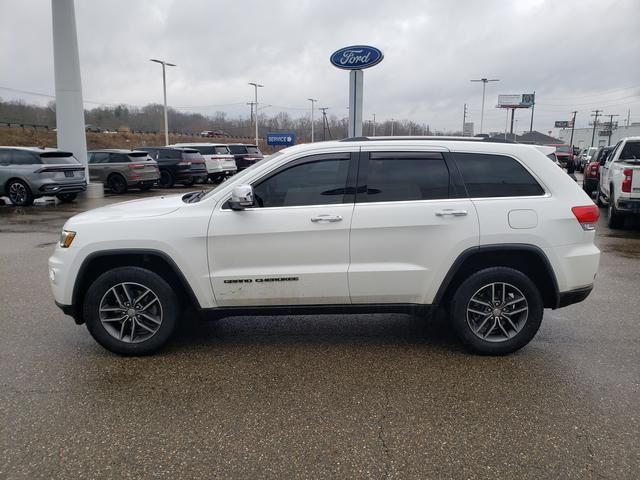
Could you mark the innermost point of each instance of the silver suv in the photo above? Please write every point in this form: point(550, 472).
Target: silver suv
point(121, 169)
point(27, 173)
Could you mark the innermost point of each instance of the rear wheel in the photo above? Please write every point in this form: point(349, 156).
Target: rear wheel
point(497, 311)
point(189, 182)
point(166, 179)
point(117, 183)
point(131, 310)
point(67, 197)
point(615, 220)
point(19, 193)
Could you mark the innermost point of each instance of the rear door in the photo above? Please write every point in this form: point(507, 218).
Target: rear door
point(98, 166)
point(410, 222)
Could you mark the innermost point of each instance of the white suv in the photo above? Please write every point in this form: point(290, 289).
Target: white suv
point(494, 231)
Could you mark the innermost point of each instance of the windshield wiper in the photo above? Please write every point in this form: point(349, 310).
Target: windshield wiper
point(193, 197)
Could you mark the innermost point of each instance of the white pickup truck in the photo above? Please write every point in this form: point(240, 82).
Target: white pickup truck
point(620, 181)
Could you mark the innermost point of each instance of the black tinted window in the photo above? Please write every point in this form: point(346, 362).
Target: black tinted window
point(5, 156)
point(319, 181)
point(222, 150)
point(630, 151)
point(20, 157)
point(495, 176)
point(170, 154)
point(118, 158)
point(237, 149)
point(395, 177)
point(254, 150)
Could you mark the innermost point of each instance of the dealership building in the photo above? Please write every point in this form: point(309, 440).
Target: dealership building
point(582, 136)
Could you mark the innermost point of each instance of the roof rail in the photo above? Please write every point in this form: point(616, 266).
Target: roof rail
point(441, 138)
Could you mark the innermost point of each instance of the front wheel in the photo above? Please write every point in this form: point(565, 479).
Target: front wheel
point(497, 311)
point(131, 310)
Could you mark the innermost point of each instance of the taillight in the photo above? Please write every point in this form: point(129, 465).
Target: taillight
point(587, 216)
point(626, 181)
point(135, 165)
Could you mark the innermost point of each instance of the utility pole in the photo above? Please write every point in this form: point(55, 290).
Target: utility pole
point(573, 125)
point(533, 106)
point(251, 104)
point(392, 122)
point(484, 88)
point(256, 86)
point(628, 117)
point(374, 125)
point(324, 121)
point(313, 102)
point(464, 117)
point(611, 125)
point(595, 124)
point(164, 90)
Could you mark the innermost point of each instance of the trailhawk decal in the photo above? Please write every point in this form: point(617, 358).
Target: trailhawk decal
point(263, 280)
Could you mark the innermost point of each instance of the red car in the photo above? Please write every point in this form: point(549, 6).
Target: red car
point(592, 170)
point(565, 156)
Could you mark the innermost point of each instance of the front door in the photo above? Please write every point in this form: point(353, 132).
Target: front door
point(292, 247)
point(411, 221)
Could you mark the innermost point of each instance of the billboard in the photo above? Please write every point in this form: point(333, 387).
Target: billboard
point(561, 124)
point(521, 100)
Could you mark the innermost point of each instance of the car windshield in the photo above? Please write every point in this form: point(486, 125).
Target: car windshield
point(58, 158)
point(242, 174)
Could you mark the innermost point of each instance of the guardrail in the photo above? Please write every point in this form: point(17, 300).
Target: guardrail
point(24, 125)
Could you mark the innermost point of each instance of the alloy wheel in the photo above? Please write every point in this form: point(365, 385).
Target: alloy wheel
point(17, 193)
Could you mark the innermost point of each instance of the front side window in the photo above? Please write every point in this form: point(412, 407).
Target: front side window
point(405, 176)
point(488, 175)
point(99, 157)
point(319, 180)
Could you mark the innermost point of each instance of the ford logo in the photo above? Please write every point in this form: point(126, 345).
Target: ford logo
point(356, 57)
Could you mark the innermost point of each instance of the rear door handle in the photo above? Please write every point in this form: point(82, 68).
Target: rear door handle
point(451, 212)
point(326, 218)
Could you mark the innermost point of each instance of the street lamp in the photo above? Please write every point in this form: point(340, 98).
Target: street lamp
point(484, 88)
point(313, 102)
point(164, 90)
point(255, 86)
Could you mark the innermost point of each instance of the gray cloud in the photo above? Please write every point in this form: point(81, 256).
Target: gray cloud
point(574, 54)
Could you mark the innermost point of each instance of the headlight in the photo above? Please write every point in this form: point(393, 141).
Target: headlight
point(66, 238)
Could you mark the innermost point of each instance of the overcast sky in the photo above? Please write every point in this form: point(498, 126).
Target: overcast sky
point(575, 54)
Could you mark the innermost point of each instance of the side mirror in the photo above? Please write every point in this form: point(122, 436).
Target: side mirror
point(241, 197)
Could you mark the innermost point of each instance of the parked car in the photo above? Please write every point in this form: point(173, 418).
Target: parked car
point(245, 155)
point(565, 156)
point(550, 153)
point(591, 177)
point(218, 159)
point(620, 181)
point(28, 173)
point(93, 129)
point(374, 224)
point(178, 165)
point(121, 169)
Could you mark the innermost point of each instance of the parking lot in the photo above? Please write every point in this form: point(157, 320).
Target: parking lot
point(380, 396)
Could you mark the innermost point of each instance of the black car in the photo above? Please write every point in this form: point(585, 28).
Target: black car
point(178, 165)
point(245, 155)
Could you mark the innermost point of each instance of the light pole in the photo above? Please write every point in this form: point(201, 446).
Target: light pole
point(313, 102)
point(164, 91)
point(484, 89)
point(373, 134)
point(392, 122)
point(255, 86)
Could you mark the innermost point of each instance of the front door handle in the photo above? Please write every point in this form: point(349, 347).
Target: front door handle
point(453, 213)
point(326, 218)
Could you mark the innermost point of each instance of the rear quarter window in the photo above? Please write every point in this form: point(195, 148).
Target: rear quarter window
point(487, 175)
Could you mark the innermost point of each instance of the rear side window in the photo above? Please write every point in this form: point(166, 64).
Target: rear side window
point(630, 151)
point(118, 158)
point(20, 157)
point(488, 175)
point(99, 157)
point(405, 176)
point(254, 150)
point(5, 157)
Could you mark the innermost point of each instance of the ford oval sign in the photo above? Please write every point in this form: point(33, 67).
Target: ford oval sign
point(356, 57)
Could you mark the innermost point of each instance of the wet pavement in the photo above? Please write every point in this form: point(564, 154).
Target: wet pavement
point(363, 396)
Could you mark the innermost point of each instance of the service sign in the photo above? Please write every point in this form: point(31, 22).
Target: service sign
point(356, 57)
point(287, 139)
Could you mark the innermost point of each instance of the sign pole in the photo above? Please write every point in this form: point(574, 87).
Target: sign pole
point(356, 80)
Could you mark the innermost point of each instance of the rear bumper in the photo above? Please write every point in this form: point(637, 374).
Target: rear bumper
point(573, 296)
point(627, 205)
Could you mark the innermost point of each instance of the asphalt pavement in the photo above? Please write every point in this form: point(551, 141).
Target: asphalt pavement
point(331, 396)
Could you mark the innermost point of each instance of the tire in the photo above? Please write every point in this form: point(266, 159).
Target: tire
point(67, 197)
point(615, 220)
point(216, 177)
point(599, 201)
point(571, 167)
point(166, 179)
point(117, 183)
point(189, 182)
point(491, 339)
point(162, 305)
point(19, 193)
